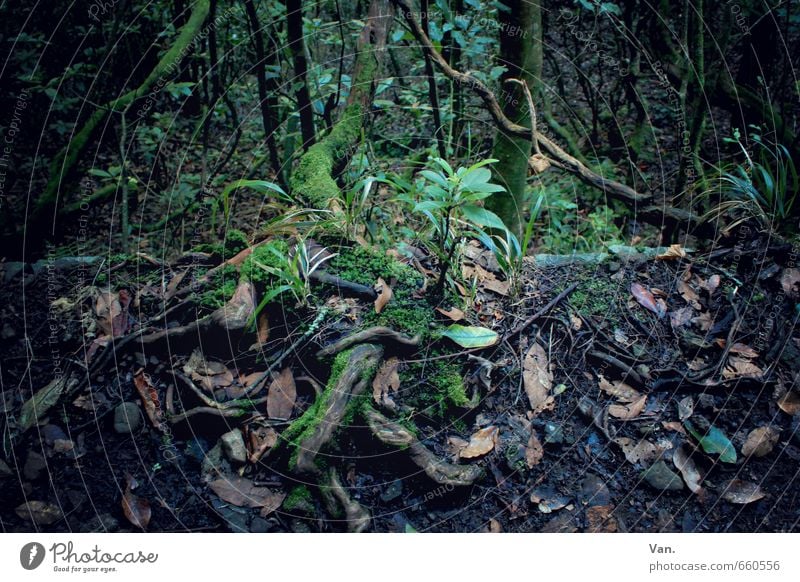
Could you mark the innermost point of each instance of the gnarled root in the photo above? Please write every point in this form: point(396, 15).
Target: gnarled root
point(442, 472)
point(336, 496)
point(371, 334)
point(316, 426)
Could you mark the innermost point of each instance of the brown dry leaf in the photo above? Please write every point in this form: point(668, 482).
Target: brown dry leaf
point(686, 465)
point(250, 379)
point(537, 379)
point(577, 322)
point(112, 312)
point(711, 285)
point(646, 300)
point(480, 443)
point(672, 253)
point(384, 295)
point(704, 321)
point(281, 396)
point(674, 426)
point(149, 396)
point(136, 509)
point(210, 375)
point(628, 411)
point(619, 390)
point(263, 328)
point(760, 442)
point(790, 403)
point(172, 287)
point(790, 282)
point(386, 382)
point(600, 518)
point(39, 512)
point(741, 492)
point(455, 313)
point(262, 439)
point(689, 295)
point(740, 367)
point(534, 452)
point(538, 163)
point(680, 317)
point(236, 313)
point(641, 451)
point(743, 350)
point(486, 279)
point(494, 526)
point(243, 493)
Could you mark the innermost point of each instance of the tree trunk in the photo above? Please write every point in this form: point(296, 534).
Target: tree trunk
point(521, 53)
point(294, 27)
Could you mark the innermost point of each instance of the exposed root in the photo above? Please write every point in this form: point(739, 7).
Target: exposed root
point(316, 427)
point(357, 516)
point(382, 334)
point(442, 472)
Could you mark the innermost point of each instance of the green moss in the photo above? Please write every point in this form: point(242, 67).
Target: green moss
point(313, 179)
point(438, 385)
point(364, 265)
point(298, 499)
point(596, 296)
point(221, 288)
point(235, 242)
point(273, 254)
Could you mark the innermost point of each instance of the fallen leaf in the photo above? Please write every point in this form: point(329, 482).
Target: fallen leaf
point(243, 493)
point(281, 396)
point(136, 509)
point(674, 426)
point(760, 442)
point(680, 317)
point(577, 322)
point(673, 252)
point(686, 465)
point(263, 328)
point(740, 367)
point(386, 383)
point(209, 374)
point(600, 518)
point(470, 336)
point(790, 403)
point(39, 512)
point(704, 321)
point(548, 499)
point(149, 396)
point(689, 295)
point(619, 390)
point(741, 492)
point(537, 379)
point(534, 452)
point(685, 408)
point(261, 439)
point(45, 398)
point(646, 300)
point(711, 285)
point(455, 313)
point(111, 310)
point(384, 295)
point(628, 411)
point(714, 441)
point(494, 526)
point(485, 279)
point(790, 282)
point(743, 350)
point(480, 443)
point(642, 451)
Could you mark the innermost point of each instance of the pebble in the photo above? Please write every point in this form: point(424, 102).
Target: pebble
point(233, 446)
point(127, 418)
point(661, 477)
point(553, 434)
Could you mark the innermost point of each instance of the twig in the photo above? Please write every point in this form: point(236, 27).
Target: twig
point(543, 311)
point(366, 336)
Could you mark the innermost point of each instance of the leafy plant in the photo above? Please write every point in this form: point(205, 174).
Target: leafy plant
point(763, 188)
point(449, 199)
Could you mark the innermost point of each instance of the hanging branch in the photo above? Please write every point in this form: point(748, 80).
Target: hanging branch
point(557, 156)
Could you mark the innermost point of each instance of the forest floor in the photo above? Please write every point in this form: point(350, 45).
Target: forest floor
point(650, 394)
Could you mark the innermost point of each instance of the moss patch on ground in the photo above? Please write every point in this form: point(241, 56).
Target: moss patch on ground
point(221, 288)
point(437, 387)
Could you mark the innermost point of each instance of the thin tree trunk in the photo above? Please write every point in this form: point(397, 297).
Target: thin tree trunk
point(433, 94)
point(294, 27)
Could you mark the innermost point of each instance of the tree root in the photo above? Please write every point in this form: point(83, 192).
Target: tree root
point(372, 334)
point(357, 517)
point(442, 472)
point(316, 427)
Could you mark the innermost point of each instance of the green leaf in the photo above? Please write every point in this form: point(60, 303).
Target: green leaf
point(482, 217)
point(435, 177)
point(475, 178)
point(714, 442)
point(470, 336)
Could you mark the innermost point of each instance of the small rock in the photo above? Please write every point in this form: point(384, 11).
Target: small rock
point(553, 434)
point(34, 465)
point(661, 477)
point(5, 470)
point(393, 491)
point(127, 418)
point(233, 446)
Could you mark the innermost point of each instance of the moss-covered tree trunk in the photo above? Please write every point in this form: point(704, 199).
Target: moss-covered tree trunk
point(314, 179)
point(521, 53)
